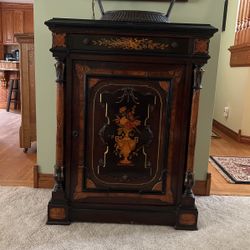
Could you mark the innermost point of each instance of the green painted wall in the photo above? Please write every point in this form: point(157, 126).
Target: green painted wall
point(195, 11)
point(232, 83)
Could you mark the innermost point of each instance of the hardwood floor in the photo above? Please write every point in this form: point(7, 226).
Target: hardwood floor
point(16, 167)
point(225, 146)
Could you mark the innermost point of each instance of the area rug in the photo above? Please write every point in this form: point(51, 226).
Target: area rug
point(223, 224)
point(234, 169)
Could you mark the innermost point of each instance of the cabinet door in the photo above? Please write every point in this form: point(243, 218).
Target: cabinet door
point(8, 28)
point(28, 21)
point(122, 121)
point(18, 21)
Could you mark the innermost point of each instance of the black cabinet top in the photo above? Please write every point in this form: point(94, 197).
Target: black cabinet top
point(204, 30)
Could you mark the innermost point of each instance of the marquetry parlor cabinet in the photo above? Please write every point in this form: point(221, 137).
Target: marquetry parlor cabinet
point(127, 104)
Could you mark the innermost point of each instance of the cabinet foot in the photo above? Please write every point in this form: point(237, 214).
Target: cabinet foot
point(187, 213)
point(186, 219)
point(58, 214)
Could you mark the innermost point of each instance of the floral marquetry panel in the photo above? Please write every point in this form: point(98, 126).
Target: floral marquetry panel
point(131, 43)
point(124, 141)
point(124, 44)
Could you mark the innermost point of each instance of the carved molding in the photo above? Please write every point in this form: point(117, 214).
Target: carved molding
point(25, 38)
point(201, 46)
point(58, 170)
point(59, 178)
point(131, 43)
point(240, 55)
point(198, 75)
point(59, 40)
point(60, 70)
point(189, 183)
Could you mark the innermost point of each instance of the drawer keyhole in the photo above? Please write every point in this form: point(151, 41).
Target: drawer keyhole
point(75, 133)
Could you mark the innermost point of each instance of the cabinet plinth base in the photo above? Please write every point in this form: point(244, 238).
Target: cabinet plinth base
point(181, 219)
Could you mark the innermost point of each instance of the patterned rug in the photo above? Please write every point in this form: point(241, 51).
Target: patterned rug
point(234, 169)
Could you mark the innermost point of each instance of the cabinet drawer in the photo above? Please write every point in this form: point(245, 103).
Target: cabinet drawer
point(135, 44)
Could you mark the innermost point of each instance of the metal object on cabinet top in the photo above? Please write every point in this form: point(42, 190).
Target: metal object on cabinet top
point(135, 15)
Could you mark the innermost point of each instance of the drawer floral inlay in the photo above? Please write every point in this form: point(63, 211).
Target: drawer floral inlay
point(131, 43)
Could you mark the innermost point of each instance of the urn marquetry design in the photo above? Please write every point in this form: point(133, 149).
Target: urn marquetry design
point(124, 141)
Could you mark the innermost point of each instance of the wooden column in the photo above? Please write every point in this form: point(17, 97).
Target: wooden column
point(27, 131)
point(59, 178)
point(187, 212)
point(58, 207)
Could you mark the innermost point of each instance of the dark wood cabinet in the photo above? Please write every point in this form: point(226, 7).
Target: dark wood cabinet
point(127, 107)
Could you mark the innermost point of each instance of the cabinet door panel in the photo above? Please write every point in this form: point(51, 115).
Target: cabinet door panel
point(122, 123)
point(28, 21)
point(18, 21)
point(8, 31)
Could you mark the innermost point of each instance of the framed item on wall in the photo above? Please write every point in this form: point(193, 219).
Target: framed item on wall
point(224, 22)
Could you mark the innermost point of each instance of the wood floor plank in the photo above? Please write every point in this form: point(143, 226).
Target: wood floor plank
point(226, 146)
point(16, 167)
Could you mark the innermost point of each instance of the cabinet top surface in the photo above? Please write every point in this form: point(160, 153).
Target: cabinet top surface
point(188, 28)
